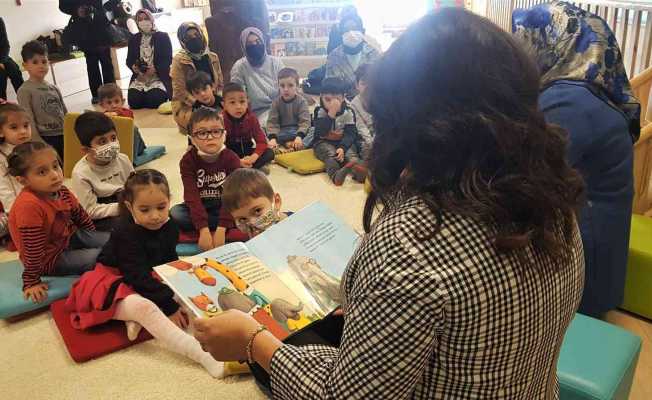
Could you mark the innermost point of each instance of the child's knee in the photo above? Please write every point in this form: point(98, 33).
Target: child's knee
point(140, 306)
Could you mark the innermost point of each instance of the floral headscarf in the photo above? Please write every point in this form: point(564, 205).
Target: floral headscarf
point(149, 16)
point(182, 34)
point(573, 44)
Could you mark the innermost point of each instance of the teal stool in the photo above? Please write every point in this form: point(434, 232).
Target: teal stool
point(597, 361)
point(12, 302)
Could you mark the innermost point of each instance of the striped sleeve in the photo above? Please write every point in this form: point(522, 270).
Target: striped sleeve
point(33, 246)
point(79, 216)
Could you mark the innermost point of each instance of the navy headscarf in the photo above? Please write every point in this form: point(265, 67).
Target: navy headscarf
point(574, 44)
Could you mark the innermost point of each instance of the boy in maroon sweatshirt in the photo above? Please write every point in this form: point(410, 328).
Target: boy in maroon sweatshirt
point(204, 168)
point(243, 130)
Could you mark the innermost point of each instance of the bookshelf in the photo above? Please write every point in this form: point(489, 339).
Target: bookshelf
point(301, 27)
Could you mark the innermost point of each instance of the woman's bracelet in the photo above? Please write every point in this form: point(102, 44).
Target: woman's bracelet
point(250, 344)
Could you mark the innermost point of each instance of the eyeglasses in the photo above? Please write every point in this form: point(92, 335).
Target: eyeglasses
point(209, 134)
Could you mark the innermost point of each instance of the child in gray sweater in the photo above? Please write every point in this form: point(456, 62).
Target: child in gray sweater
point(289, 117)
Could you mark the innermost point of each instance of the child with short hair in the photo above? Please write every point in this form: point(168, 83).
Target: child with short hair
point(51, 230)
point(289, 117)
point(42, 100)
point(15, 129)
point(243, 130)
point(335, 133)
point(250, 199)
point(200, 85)
point(363, 120)
point(98, 177)
point(204, 168)
point(122, 286)
point(111, 101)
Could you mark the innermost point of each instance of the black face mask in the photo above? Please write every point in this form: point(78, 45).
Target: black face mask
point(195, 45)
point(256, 53)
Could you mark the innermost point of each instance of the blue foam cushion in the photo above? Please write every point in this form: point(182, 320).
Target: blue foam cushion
point(597, 361)
point(150, 153)
point(11, 290)
point(188, 249)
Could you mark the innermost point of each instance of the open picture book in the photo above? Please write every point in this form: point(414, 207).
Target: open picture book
point(286, 278)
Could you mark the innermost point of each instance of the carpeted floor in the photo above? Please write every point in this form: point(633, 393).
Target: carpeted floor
point(35, 362)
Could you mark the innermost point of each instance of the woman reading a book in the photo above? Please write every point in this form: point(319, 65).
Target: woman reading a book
point(467, 279)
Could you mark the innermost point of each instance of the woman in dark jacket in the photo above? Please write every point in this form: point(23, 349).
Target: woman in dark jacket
point(585, 90)
point(90, 31)
point(149, 57)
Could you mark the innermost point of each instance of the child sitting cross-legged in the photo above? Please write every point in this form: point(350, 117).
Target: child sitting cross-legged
point(51, 230)
point(100, 175)
point(289, 117)
point(250, 199)
point(204, 168)
point(112, 103)
point(122, 287)
point(244, 134)
point(335, 134)
point(363, 120)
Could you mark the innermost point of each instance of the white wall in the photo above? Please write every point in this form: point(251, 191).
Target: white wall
point(41, 17)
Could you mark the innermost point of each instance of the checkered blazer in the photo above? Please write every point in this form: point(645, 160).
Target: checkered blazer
point(444, 318)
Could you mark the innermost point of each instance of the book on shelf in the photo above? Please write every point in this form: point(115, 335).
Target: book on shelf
point(286, 278)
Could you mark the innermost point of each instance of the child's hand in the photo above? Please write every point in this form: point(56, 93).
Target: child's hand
point(205, 240)
point(111, 114)
point(339, 155)
point(298, 143)
point(335, 106)
point(245, 163)
point(180, 319)
point(272, 143)
point(38, 293)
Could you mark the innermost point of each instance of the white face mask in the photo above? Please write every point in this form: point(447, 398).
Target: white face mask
point(108, 152)
point(352, 38)
point(146, 26)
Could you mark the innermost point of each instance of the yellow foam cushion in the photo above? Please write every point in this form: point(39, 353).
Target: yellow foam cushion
point(72, 148)
point(302, 162)
point(165, 108)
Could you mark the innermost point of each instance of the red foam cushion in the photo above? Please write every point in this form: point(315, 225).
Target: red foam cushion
point(188, 237)
point(84, 345)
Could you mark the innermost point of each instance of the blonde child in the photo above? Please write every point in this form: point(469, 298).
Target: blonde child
point(122, 286)
point(250, 199)
point(51, 230)
point(289, 117)
point(15, 129)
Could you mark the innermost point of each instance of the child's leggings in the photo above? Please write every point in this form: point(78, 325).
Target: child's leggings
point(143, 311)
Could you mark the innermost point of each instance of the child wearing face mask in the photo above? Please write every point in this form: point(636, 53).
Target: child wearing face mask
point(100, 175)
point(112, 103)
point(122, 285)
point(257, 72)
point(250, 199)
point(51, 230)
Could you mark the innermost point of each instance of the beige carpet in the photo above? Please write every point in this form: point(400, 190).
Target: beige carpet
point(36, 365)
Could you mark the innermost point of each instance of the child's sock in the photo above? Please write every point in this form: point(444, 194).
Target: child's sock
point(340, 176)
point(138, 309)
point(133, 329)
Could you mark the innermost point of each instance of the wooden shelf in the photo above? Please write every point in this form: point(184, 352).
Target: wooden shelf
point(301, 40)
point(288, 7)
point(294, 23)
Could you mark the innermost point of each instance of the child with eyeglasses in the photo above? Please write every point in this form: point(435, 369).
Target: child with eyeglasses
point(204, 168)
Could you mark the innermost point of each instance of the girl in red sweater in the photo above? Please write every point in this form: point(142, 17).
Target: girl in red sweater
point(51, 230)
point(122, 285)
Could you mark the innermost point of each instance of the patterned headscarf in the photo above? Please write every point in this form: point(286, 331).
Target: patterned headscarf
point(573, 44)
point(243, 41)
point(149, 16)
point(182, 34)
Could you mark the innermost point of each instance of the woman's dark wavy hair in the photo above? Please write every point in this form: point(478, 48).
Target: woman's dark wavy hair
point(454, 102)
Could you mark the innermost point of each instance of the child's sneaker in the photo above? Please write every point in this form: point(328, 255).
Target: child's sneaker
point(359, 172)
point(340, 175)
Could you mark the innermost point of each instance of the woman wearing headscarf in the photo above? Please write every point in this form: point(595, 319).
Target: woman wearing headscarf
point(149, 57)
point(585, 90)
point(194, 56)
point(257, 72)
point(353, 52)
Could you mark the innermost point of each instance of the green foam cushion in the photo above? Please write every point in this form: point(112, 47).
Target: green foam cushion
point(638, 282)
point(302, 162)
point(150, 153)
point(12, 302)
point(597, 361)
